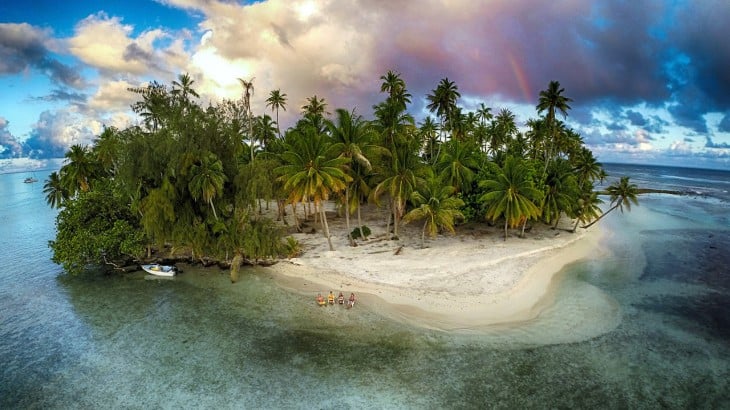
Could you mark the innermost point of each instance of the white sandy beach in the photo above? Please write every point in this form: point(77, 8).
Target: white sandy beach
point(463, 282)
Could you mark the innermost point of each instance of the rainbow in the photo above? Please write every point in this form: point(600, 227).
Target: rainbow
point(521, 77)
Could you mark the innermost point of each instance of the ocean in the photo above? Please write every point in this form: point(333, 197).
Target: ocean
point(199, 342)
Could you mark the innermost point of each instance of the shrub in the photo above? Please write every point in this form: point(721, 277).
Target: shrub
point(356, 232)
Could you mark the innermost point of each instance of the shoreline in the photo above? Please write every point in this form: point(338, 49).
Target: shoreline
point(462, 283)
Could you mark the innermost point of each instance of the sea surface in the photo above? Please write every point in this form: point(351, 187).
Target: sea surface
point(199, 342)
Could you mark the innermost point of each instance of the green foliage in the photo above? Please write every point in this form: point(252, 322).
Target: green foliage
point(191, 177)
point(293, 247)
point(96, 229)
point(355, 234)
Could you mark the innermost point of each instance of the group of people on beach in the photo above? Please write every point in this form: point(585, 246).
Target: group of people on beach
point(331, 299)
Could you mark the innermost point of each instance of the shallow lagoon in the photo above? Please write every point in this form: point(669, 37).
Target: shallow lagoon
point(198, 341)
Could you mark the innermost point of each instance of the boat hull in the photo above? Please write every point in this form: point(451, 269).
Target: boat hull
point(160, 270)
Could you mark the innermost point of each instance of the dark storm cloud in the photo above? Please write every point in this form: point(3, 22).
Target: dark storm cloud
point(711, 144)
point(724, 125)
point(10, 147)
point(23, 46)
point(63, 95)
point(636, 118)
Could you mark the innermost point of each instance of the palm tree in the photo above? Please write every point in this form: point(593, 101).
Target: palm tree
point(510, 194)
point(264, 130)
point(552, 100)
point(587, 209)
point(458, 164)
point(442, 101)
point(247, 93)
point(561, 192)
point(207, 180)
point(277, 100)
point(622, 193)
point(78, 172)
point(183, 88)
point(428, 131)
point(401, 177)
point(434, 202)
point(503, 130)
point(394, 85)
point(353, 139)
point(315, 107)
point(586, 167)
point(312, 170)
point(484, 114)
point(54, 190)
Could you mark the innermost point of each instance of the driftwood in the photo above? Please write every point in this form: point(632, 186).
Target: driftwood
point(397, 251)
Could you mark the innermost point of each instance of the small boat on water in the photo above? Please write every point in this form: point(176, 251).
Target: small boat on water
point(30, 180)
point(160, 270)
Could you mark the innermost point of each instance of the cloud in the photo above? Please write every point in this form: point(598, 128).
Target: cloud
point(724, 125)
point(107, 44)
point(711, 144)
point(56, 131)
point(63, 95)
point(10, 147)
point(23, 47)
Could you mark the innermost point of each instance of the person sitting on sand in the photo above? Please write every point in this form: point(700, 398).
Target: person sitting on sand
point(320, 299)
point(341, 299)
point(351, 301)
point(331, 298)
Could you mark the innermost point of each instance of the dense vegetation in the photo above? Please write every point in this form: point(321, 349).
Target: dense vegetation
point(195, 180)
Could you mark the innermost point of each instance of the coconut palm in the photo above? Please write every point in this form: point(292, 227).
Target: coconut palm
point(560, 192)
point(552, 100)
point(265, 130)
point(504, 129)
point(55, 191)
point(312, 170)
point(442, 101)
point(315, 107)
point(207, 180)
point(434, 202)
point(586, 167)
point(622, 194)
point(277, 100)
point(428, 131)
point(400, 179)
point(458, 164)
point(247, 94)
point(394, 85)
point(353, 139)
point(78, 171)
point(511, 194)
point(182, 88)
point(587, 208)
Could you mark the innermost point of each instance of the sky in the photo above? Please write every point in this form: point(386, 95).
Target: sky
point(649, 80)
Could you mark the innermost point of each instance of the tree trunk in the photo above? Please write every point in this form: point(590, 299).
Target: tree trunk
point(600, 217)
point(522, 234)
point(294, 213)
point(213, 208)
point(557, 220)
point(235, 267)
point(505, 229)
point(347, 215)
point(326, 228)
point(423, 234)
point(359, 222)
point(390, 215)
point(576, 225)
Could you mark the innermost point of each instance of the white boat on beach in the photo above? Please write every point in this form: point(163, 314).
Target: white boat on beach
point(160, 270)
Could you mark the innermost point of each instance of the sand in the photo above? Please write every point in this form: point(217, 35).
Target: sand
point(467, 281)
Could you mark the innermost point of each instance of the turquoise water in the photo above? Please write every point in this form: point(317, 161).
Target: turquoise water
point(199, 342)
